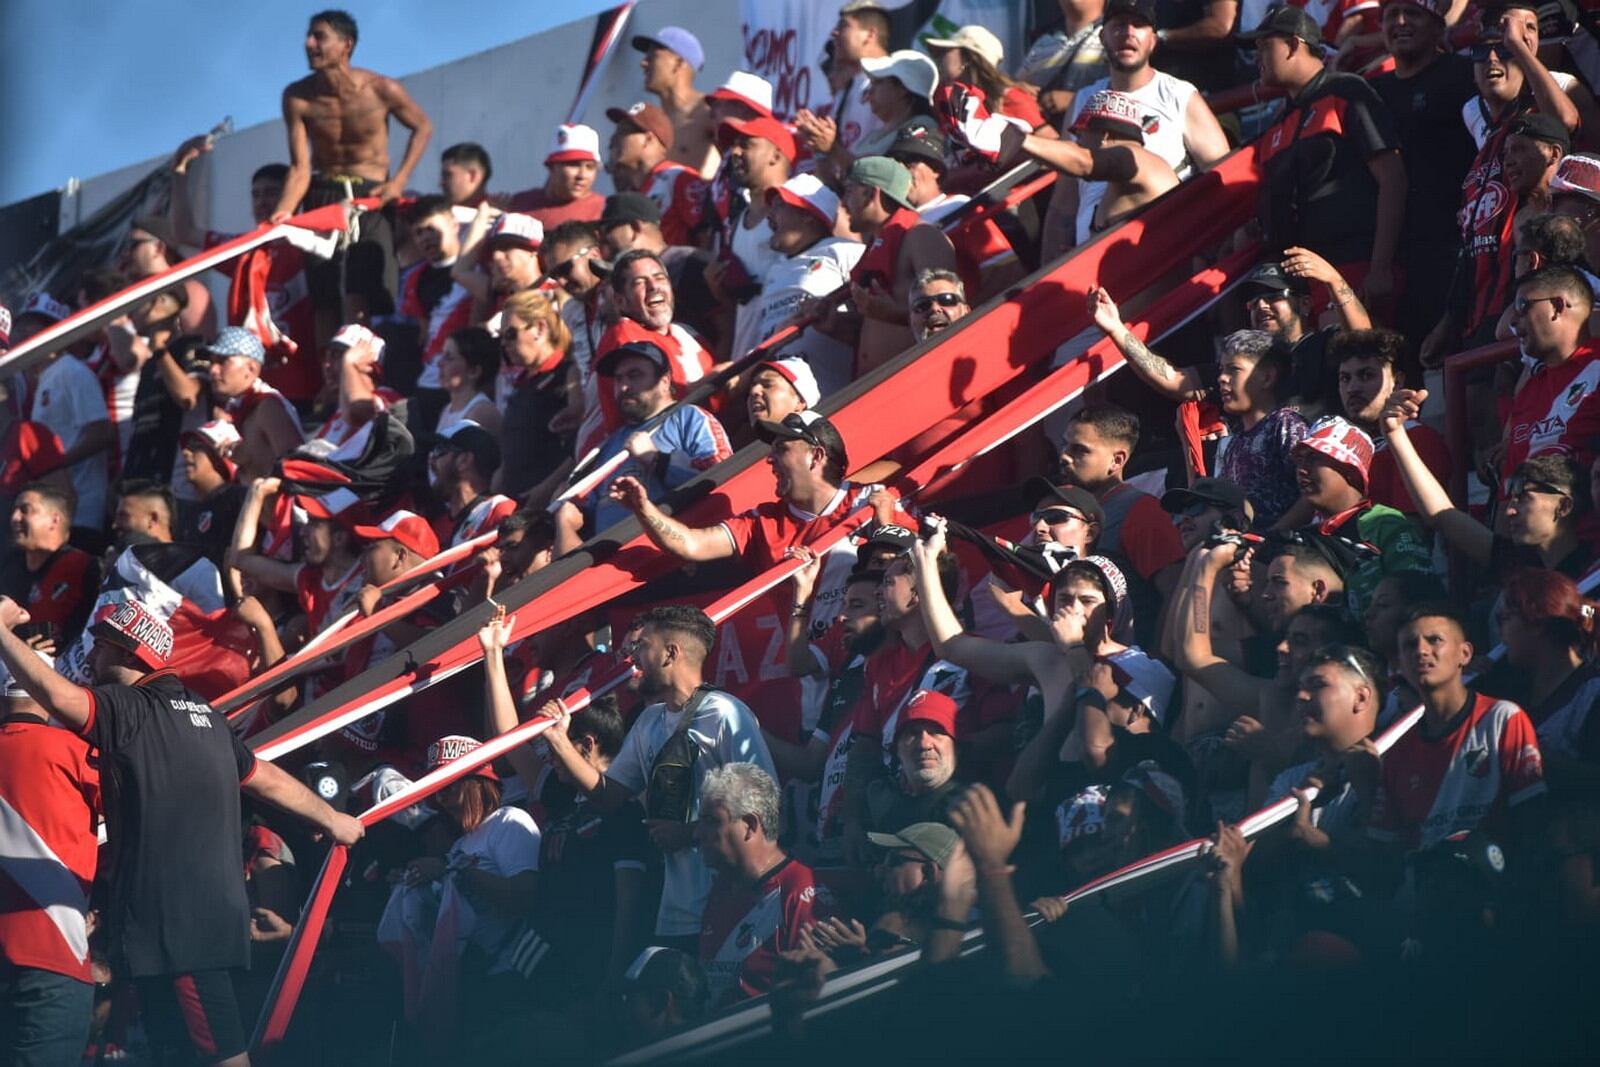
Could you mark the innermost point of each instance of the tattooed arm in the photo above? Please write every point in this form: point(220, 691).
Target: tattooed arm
point(1163, 377)
point(670, 535)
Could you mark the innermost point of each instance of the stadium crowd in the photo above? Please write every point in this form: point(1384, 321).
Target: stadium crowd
point(964, 710)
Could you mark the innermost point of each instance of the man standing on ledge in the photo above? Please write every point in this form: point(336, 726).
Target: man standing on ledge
point(172, 771)
point(338, 122)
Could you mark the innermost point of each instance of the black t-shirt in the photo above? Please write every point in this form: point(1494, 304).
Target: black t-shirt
point(536, 399)
point(1506, 556)
point(1318, 190)
point(170, 771)
point(1210, 69)
point(582, 852)
point(1435, 145)
point(210, 522)
point(1313, 385)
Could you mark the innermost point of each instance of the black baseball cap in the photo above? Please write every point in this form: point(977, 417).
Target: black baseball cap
point(607, 363)
point(1546, 128)
point(897, 539)
point(919, 145)
point(1139, 10)
point(1270, 278)
point(1036, 489)
point(1285, 20)
point(469, 437)
point(628, 207)
point(807, 426)
point(1219, 493)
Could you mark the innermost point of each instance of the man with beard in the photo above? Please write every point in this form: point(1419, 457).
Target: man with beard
point(1426, 93)
point(938, 299)
point(568, 192)
point(925, 785)
point(461, 464)
point(55, 582)
point(178, 917)
point(1369, 365)
point(1183, 130)
point(690, 441)
point(811, 263)
point(645, 303)
point(638, 161)
point(1279, 302)
point(760, 153)
point(688, 730)
point(338, 124)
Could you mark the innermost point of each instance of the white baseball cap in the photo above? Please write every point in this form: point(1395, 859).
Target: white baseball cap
point(911, 68)
point(746, 88)
point(975, 39)
point(352, 334)
point(523, 230)
point(806, 191)
point(797, 372)
point(574, 142)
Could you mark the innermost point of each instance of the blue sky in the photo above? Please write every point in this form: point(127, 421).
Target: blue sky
point(87, 86)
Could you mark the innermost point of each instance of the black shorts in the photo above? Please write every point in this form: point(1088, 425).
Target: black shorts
point(192, 1017)
point(367, 268)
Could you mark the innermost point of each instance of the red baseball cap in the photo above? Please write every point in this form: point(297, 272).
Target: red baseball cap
point(406, 527)
point(646, 117)
point(452, 747)
point(768, 129)
point(134, 628)
point(1344, 444)
point(928, 705)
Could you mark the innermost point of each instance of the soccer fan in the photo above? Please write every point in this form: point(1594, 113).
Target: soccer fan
point(53, 580)
point(1369, 366)
point(531, 393)
point(152, 247)
point(1542, 503)
point(69, 403)
point(973, 55)
point(219, 494)
point(638, 160)
point(1350, 211)
point(145, 511)
point(1472, 762)
point(938, 300)
point(1109, 150)
point(672, 57)
point(284, 300)
point(660, 457)
point(760, 153)
point(1063, 62)
point(646, 306)
point(811, 263)
point(462, 462)
point(1557, 406)
point(1426, 92)
point(177, 911)
point(464, 173)
point(924, 783)
point(1096, 445)
point(779, 388)
point(353, 363)
point(1279, 303)
point(1258, 452)
point(1183, 131)
point(334, 156)
point(327, 578)
point(861, 33)
point(568, 192)
point(762, 897)
point(1205, 507)
point(900, 246)
point(1332, 463)
point(268, 425)
point(469, 370)
point(1576, 189)
point(509, 242)
point(689, 730)
point(632, 222)
point(432, 298)
point(900, 94)
point(50, 786)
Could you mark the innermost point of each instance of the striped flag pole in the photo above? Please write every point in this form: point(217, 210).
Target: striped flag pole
point(607, 36)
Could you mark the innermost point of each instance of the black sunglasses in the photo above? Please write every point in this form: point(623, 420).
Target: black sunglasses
point(1484, 49)
point(1056, 516)
point(923, 304)
point(1517, 488)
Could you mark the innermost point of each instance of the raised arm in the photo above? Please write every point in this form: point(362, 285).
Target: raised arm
point(698, 545)
point(499, 707)
point(993, 660)
point(798, 658)
point(180, 212)
point(65, 701)
point(1304, 263)
point(1100, 165)
point(1172, 383)
point(1234, 687)
point(242, 556)
point(1434, 505)
point(465, 272)
point(286, 792)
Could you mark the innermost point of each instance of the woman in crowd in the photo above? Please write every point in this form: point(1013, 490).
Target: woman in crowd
point(468, 369)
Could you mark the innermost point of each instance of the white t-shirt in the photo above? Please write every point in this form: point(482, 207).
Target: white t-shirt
point(818, 271)
point(448, 418)
point(753, 247)
point(1476, 116)
point(67, 397)
point(1337, 815)
point(854, 115)
point(1163, 100)
point(724, 731)
point(505, 844)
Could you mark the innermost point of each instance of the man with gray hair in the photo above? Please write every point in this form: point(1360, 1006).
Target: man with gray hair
point(1249, 383)
point(938, 299)
point(762, 896)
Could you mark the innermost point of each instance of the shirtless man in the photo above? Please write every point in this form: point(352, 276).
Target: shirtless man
point(672, 55)
point(900, 247)
point(338, 122)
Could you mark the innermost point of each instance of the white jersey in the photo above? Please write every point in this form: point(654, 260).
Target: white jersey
point(1475, 114)
point(854, 116)
point(753, 248)
point(66, 398)
point(817, 271)
point(1164, 101)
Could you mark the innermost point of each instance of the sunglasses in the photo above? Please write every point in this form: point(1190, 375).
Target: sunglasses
point(1522, 305)
point(1484, 49)
point(1194, 509)
point(1519, 488)
point(1056, 516)
point(924, 304)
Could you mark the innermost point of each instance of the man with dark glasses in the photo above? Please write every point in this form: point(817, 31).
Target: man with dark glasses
point(938, 301)
point(1558, 405)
